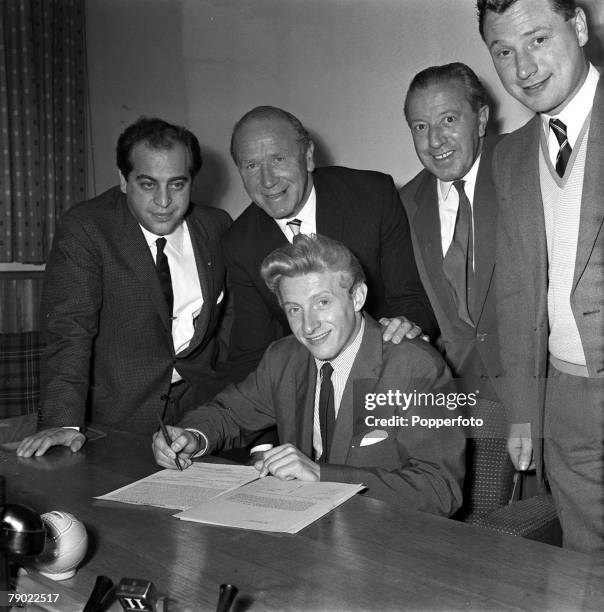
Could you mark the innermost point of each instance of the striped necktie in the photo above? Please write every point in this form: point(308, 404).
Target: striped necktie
point(294, 226)
point(565, 150)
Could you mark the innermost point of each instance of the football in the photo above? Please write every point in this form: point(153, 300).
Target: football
point(65, 546)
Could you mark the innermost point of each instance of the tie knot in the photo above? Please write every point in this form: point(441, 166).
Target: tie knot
point(294, 226)
point(161, 243)
point(326, 370)
point(559, 129)
point(459, 185)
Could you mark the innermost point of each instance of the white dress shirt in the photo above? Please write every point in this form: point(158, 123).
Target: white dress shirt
point(342, 364)
point(573, 115)
point(448, 204)
point(186, 287)
point(308, 216)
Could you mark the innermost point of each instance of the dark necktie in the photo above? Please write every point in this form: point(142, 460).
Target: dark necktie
point(565, 150)
point(294, 226)
point(163, 272)
point(457, 264)
point(327, 411)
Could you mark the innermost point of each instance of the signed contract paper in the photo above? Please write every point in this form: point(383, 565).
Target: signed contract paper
point(270, 504)
point(181, 490)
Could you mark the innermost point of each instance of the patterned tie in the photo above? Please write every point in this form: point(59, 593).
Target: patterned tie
point(327, 411)
point(294, 226)
point(458, 262)
point(163, 272)
point(565, 150)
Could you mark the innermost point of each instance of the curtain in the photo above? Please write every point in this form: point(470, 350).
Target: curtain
point(42, 122)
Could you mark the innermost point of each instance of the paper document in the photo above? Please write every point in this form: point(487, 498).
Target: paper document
point(181, 490)
point(270, 504)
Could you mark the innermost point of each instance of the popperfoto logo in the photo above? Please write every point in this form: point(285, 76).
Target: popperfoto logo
point(391, 407)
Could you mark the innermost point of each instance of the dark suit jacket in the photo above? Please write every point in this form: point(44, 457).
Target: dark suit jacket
point(522, 266)
point(359, 208)
point(106, 321)
point(415, 467)
point(470, 352)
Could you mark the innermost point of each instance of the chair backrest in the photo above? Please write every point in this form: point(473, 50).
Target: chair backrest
point(19, 373)
point(489, 472)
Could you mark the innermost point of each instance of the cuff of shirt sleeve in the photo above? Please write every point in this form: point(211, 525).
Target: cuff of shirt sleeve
point(202, 443)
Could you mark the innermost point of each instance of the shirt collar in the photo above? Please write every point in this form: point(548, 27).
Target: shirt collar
point(348, 355)
point(307, 215)
point(444, 187)
point(175, 239)
point(573, 115)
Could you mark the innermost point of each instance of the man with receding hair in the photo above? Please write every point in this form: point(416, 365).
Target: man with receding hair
point(316, 386)
point(275, 158)
point(550, 255)
point(452, 213)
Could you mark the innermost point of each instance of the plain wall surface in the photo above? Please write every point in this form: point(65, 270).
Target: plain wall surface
point(341, 66)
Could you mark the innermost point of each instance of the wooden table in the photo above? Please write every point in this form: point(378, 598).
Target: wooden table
point(365, 555)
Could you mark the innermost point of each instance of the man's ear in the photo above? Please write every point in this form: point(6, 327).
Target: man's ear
point(310, 157)
point(580, 25)
point(483, 119)
point(359, 295)
point(123, 182)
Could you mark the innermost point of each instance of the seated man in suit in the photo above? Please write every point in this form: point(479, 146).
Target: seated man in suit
point(315, 386)
point(452, 212)
point(132, 296)
point(274, 156)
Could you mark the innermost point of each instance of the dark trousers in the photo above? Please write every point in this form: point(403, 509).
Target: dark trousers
point(573, 442)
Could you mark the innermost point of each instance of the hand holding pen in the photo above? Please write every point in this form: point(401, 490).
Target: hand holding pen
point(168, 440)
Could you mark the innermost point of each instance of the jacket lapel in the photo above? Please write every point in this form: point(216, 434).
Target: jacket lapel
point(331, 211)
point(592, 210)
point(138, 256)
point(367, 365)
point(205, 262)
point(303, 399)
point(524, 210)
point(485, 216)
point(426, 224)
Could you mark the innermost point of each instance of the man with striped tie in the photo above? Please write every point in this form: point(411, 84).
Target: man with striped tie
point(550, 255)
point(275, 158)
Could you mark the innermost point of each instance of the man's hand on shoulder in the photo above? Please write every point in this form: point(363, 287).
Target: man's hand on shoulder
point(185, 444)
point(286, 462)
point(397, 328)
point(40, 442)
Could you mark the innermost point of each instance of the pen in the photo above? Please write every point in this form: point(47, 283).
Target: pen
point(168, 440)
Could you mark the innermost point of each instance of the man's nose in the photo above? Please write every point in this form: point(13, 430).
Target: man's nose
point(162, 197)
point(436, 137)
point(267, 175)
point(525, 65)
point(310, 322)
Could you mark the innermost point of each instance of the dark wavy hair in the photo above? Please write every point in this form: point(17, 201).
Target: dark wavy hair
point(475, 92)
point(566, 8)
point(157, 134)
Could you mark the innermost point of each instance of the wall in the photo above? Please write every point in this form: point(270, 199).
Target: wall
point(342, 66)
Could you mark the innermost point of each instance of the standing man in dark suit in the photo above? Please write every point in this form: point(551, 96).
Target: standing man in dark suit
point(446, 108)
point(133, 296)
point(550, 254)
point(274, 155)
point(318, 386)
